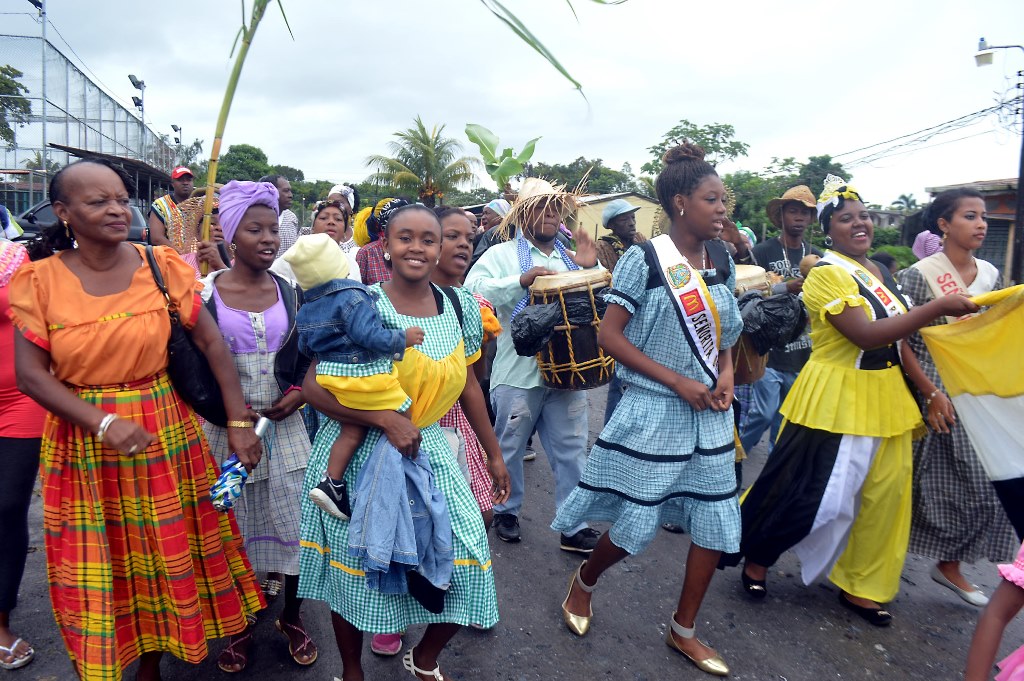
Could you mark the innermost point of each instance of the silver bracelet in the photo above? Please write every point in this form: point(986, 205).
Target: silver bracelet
point(104, 424)
point(928, 401)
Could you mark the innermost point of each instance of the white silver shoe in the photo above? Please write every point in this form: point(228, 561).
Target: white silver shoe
point(975, 597)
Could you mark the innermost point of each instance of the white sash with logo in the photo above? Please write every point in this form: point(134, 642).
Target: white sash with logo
point(875, 287)
point(944, 279)
point(697, 312)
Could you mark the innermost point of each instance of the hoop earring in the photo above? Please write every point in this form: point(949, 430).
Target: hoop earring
point(387, 256)
point(828, 241)
point(67, 229)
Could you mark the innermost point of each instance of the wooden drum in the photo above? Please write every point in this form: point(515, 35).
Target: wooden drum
point(572, 359)
point(748, 366)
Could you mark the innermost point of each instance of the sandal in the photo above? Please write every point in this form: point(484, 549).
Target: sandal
point(16, 661)
point(292, 632)
point(271, 588)
point(236, 654)
point(411, 667)
point(714, 665)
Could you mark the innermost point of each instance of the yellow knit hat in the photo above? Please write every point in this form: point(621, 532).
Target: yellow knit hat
point(316, 259)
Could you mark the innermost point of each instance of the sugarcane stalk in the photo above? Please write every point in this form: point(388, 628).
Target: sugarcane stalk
point(246, 34)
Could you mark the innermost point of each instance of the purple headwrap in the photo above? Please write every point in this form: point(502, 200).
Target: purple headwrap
point(236, 198)
point(927, 243)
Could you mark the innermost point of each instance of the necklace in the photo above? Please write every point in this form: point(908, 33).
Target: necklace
point(785, 256)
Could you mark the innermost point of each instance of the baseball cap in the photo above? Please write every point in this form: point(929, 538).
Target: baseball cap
point(181, 171)
point(616, 208)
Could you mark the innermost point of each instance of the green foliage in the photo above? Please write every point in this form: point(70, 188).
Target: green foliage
point(36, 163)
point(501, 167)
point(471, 198)
point(190, 153)
point(903, 254)
point(14, 107)
point(243, 162)
point(423, 163)
point(905, 203)
point(716, 139)
point(814, 171)
point(600, 179)
point(886, 236)
point(288, 173)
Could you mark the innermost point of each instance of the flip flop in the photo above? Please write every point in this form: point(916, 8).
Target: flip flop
point(16, 661)
point(232, 655)
point(305, 643)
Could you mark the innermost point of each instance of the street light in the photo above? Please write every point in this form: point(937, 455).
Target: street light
point(177, 131)
point(983, 58)
point(140, 104)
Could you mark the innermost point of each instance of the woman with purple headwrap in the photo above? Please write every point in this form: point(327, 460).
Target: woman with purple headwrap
point(255, 310)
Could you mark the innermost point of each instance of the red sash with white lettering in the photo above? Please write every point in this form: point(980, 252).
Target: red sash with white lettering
point(891, 303)
point(694, 305)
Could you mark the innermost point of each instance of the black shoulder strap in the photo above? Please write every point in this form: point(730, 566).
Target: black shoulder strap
point(720, 259)
point(456, 303)
point(158, 276)
point(651, 259)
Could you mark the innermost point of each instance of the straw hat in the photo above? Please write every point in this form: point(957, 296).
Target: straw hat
point(537, 192)
point(801, 194)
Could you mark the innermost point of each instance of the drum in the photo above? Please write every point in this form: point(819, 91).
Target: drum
point(748, 366)
point(572, 359)
point(752, 278)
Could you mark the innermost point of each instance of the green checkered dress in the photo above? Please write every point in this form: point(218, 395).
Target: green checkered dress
point(328, 573)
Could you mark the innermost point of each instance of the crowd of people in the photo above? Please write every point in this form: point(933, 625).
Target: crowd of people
point(376, 341)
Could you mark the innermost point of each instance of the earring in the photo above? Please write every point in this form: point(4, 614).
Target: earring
point(67, 229)
point(828, 241)
point(387, 256)
point(944, 235)
point(438, 261)
point(682, 212)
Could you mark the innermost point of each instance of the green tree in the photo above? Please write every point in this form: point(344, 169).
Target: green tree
point(814, 171)
point(473, 197)
point(14, 107)
point(242, 162)
point(423, 162)
point(905, 203)
point(190, 154)
point(600, 179)
point(288, 173)
point(716, 139)
point(36, 163)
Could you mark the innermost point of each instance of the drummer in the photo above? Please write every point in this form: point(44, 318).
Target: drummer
point(792, 214)
point(521, 403)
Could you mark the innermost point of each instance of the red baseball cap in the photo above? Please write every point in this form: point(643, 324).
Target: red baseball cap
point(180, 171)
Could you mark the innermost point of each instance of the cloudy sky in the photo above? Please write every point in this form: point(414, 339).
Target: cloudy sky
point(795, 78)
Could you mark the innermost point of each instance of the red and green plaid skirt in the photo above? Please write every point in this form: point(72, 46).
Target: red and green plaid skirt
point(137, 558)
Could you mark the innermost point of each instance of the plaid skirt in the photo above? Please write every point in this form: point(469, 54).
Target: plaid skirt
point(137, 558)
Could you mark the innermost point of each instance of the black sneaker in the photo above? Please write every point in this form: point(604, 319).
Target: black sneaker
point(583, 541)
point(332, 500)
point(506, 526)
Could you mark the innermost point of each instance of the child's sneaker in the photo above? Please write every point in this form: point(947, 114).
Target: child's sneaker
point(332, 499)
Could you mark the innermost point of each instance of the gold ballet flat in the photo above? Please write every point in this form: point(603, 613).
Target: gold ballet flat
point(712, 665)
point(578, 624)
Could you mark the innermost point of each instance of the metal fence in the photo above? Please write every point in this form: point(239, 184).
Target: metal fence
point(78, 113)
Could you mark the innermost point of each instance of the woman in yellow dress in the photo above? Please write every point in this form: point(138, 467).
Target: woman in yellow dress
point(837, 486)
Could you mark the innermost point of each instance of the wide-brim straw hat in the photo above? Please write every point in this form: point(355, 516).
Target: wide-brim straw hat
point(538, 192)
point(801, 194)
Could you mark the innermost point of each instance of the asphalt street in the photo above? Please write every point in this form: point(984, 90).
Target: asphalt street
point(799, 633)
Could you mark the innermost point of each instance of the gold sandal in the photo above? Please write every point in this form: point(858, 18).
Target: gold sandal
point(712, 665)
point(578, 624)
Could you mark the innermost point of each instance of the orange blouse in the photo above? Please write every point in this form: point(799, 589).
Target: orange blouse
point(103, 340)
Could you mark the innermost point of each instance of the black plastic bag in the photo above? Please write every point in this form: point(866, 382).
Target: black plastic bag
point(532, 328)
point(772, 322)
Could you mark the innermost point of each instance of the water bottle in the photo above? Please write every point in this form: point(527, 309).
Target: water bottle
point(233, 475)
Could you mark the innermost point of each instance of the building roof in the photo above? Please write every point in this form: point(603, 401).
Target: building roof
point(983, 186)
point(132, 165)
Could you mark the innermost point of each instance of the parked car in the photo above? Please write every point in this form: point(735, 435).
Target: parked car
point(41, 215)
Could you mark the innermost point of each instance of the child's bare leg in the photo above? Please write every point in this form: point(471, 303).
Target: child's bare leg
point(342, 450)
point(1006, 602)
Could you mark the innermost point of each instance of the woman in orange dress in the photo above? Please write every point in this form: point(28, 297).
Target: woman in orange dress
point(138, 560)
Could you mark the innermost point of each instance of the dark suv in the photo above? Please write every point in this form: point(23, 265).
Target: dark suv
point(41, 215)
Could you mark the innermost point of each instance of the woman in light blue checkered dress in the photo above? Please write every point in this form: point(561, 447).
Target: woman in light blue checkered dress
point(434, 375)
point(667, 453)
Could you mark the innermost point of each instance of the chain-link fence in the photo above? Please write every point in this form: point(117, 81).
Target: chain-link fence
point(77, 113)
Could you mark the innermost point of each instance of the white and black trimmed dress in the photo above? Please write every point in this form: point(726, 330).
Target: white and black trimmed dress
point(657, 459)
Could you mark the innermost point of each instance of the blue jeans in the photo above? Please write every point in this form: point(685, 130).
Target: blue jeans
point(560, 419)
point(766, 398)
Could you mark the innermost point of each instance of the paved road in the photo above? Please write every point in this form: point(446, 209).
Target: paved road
point(797, 634)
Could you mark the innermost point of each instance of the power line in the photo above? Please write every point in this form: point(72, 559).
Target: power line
point(980, 113)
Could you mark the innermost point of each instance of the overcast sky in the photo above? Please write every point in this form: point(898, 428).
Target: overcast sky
point(794, 78)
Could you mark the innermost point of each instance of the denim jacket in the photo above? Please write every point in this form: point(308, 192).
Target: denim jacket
point(400, 521)
point(338, 322)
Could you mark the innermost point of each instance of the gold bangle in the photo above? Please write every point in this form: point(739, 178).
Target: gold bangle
point(239, 424)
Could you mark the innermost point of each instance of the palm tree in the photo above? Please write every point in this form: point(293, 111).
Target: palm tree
point(424, 162)
point(905, 203)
